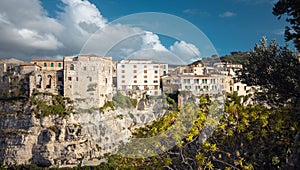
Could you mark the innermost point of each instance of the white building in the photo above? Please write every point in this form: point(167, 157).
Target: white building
point(202, 84)
point(135, 76)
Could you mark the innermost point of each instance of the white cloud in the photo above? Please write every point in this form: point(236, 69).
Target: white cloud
point(184, 49)
point(26, 27)
point(151, 41)
point(227, 14)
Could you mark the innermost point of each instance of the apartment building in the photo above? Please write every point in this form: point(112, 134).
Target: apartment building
point(202, 84)
point(134, 76)
point(88, 80)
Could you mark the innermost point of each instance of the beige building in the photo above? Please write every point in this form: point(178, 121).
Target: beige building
point(48, 78)
point(88, 80)
point(47, 64)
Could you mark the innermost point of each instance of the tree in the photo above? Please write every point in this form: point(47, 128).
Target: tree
point(276, 70)
point(292, 9)
point(247, 137)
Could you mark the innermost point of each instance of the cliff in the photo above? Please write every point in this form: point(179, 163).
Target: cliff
point(51, 137)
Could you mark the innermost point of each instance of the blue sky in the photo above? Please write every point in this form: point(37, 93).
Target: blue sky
point(231, 25)
point(56, 28)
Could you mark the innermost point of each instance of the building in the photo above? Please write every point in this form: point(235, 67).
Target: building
point(12, 82)
point(47, 64)
point(88, 80)
point(139, 76)
point(48, 78)
point(171, 83)
point(202, 84)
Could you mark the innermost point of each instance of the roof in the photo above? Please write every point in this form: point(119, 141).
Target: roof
point(43, 59)
point(13, 61)
point(29, 64)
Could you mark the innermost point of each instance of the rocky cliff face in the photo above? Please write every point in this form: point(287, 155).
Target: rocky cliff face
point(54, 141)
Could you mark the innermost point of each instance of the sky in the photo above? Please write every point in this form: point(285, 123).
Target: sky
point(56, 28)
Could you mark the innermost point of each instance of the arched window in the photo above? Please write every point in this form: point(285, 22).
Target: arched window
point(49, 81)
point(39, 81)
point(71, 67)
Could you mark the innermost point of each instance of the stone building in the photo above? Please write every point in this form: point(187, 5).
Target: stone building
point(13, 78)
point(88, 80)
point(47, 64)
point(49, 78)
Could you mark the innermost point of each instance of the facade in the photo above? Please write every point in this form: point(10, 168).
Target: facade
point(138, 76)
point(47, 64)
point(202, 84)
point(48, 78)
point(171, 83)
point(12, 82)
point(88, 80)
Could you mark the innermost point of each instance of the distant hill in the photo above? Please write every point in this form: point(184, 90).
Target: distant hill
point(235, 57)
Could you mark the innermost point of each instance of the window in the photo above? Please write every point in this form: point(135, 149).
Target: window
point(196, 81)
point(134, 81)
point(70, 78)
point(123, 76)
point(230, 88)
point(84, 68)
point(145, 71)
point(134, 66)
point(204, 81)
point(134, 71)
point(76, 78)
point(165, 66)
point(186, 81)
point(135, 77)
point(45, 64)
point(237, 88)
point(168, 81)
point(52, 64)
point(245, 88)
point(198, 87)
point(90, 78)
point(123, 71)
point(155, 66)
point(213, 81)
point(155, 81)
point(187, 87)
point(59, 64)
point(123, 66)
point(123, 81)
point(71, 67)
point(145, 81)
point(156, 77)
point(205, 87)
point(165, 72)
point(60, 78)
point(145, 77)
point(145, 66)
point(155, 72)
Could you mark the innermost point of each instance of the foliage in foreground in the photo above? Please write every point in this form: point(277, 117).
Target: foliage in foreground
point(247, 137)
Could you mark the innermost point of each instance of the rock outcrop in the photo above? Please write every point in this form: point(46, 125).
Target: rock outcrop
point(73, 140)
